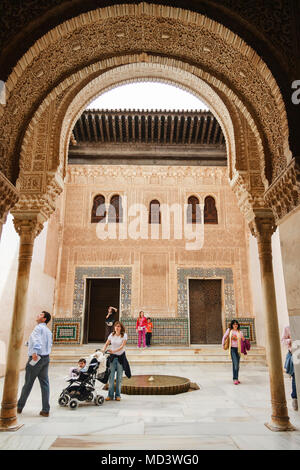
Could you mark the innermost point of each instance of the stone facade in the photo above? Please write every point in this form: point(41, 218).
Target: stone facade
point(149, 265)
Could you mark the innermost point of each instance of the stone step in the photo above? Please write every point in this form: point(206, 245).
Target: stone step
point(161, 355)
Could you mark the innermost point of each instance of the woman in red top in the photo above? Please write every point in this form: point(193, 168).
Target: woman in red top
point(141, 328)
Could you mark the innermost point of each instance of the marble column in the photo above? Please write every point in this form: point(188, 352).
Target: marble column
point(262, 227)
point(28, 228)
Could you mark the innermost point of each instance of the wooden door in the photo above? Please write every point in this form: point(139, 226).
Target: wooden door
point(205, 311)
point(100, 294)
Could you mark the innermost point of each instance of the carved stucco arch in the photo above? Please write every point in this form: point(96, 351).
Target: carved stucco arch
point(70, 106)
point(224, 60)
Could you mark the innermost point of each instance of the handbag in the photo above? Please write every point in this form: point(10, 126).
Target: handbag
point(226, 343)
point(109, 323)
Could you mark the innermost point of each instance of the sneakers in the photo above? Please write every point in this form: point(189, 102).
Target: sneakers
point(118, 398)
point(295, 404)
point(19, 410)
point(108, 399)
point(236, 382)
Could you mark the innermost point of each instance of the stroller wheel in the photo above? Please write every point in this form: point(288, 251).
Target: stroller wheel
point(63, 400)
point(73, 404)
point(90, 397)
point(99, 400)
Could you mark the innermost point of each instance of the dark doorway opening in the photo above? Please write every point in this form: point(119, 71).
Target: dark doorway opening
point(100, 294)
point(205, 311)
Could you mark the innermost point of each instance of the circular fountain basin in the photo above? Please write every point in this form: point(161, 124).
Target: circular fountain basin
point(155, 385)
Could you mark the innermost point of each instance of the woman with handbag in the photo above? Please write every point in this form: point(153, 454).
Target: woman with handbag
point(232, 340)
point(109, 321)
point(141, 326)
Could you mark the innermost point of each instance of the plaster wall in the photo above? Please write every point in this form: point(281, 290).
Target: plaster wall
point(40, 291)
point(289, 231)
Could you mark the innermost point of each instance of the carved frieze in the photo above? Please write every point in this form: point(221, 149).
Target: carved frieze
point(146, 27)
point(284, 194)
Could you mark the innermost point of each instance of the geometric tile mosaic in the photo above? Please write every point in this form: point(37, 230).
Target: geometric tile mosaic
point(86, 272)
point(184, 274)
point(165, 331)
point(66, 330)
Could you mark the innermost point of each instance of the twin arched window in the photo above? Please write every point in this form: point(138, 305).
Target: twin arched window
point(194, 213)
point(115, 209)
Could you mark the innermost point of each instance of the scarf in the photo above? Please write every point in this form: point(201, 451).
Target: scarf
point(239, 342)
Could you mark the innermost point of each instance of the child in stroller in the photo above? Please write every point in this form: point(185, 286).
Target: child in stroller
point(82, 387)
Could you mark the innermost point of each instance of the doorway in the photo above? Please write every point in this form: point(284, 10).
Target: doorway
point(205, 311)
point(100, 294)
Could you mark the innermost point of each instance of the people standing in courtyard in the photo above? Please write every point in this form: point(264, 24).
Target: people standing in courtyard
point(141, 326)
point(289, 364)
point(39, 349)
point(109, 321)
point(117, 360)
point(149, 329)
point(234, 336)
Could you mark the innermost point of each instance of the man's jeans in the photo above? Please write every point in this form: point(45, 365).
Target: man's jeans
point(40, 371)
point(115, 367)
point(235, 363)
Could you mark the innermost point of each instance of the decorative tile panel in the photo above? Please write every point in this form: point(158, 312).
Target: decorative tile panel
point(84, 272)
point(66, 330)
point(184, 274)
point(173, 331)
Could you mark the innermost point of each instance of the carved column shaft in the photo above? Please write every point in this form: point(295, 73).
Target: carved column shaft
point(28, 229)
point(263, 228)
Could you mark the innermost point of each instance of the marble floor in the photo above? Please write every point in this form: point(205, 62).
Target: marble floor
point(219, 415)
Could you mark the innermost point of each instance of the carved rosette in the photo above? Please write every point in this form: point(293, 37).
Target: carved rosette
point(9, 197)
point(284, 194)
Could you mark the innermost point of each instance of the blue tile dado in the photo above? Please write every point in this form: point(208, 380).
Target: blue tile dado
point(184, 274)
point(86, 272)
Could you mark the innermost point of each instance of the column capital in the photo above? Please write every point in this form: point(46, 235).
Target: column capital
point(9, 196)
point(263, 224)
point(28, 226)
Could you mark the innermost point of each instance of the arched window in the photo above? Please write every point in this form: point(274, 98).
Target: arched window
point(154, 212)
point(115, 210)
point(193, 211)
point(210, 211)
point(98, 209)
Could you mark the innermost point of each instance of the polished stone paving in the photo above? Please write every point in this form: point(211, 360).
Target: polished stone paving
point(219, 415)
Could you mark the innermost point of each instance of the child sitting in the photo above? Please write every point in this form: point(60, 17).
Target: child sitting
point(81, 367)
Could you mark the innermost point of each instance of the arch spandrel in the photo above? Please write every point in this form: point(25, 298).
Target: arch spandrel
point(222, 56)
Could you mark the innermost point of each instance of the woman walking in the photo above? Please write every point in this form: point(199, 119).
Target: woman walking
point(141, 326)
point(117, 360)
point(235, 338)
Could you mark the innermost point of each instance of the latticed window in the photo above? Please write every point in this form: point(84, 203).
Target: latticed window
point(98, 209)
point(115, 210)
point(210, 211)
point(154, 212)
point(193, 211)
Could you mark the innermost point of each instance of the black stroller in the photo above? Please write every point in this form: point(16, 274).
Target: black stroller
point(82, 388)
